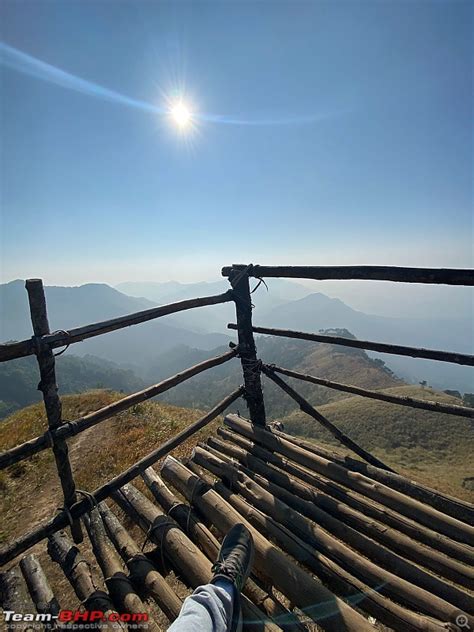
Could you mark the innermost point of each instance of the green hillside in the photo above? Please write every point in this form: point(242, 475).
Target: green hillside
point(433, 447)
point(332, 362)
point(19, 379)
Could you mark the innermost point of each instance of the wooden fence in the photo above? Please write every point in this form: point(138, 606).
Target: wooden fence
point(59, 431)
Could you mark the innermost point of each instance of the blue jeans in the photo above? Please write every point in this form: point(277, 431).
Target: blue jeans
point(208, 609)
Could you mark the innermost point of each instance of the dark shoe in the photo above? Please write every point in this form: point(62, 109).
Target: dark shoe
point(235, 556)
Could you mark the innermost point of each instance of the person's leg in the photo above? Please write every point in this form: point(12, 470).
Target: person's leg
point(208, 609)
point(215, 607)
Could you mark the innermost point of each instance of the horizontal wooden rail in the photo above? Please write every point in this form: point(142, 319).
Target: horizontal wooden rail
point(12, 350)
point(61, 520)
point(381, 347)
point(71, 428)
point(411, 402)
point(444, 276)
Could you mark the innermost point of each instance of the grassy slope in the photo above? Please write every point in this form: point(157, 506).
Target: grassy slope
point(430, 447)
point(30, 492)
point(96, 454)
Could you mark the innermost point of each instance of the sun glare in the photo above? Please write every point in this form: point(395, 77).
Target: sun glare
point(181, 115)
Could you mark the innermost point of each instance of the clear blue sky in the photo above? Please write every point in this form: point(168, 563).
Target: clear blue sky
point(359, 151)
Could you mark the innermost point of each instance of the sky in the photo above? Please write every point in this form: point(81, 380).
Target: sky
point(322, 133)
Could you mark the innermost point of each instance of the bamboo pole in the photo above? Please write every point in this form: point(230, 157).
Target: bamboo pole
point(288, 577)
point(356, 592)
point(179, 550)
point(411, 402)
point(49, 527)
point(409, 507)
point(362, 504)
point(83, 580)
point(405, 592)
point(446, 276)
point(368, 345)
point(118, 583)
point(52, 402)
point(265, 475)
point(199, 533)
point(142, 571)
point(312, 412)
point(15, 598)
point(450, 505)
point(239, 280)
point(40, 589)
point(331, 536)
point(71, 428)
point(23, 348)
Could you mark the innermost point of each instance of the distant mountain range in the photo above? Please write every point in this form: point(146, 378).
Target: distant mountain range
point(74, 306)
point(318, 311)
point(213, 319)
point(289, 305)
point(151, 348)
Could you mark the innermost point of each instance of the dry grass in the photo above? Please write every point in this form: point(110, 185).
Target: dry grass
point(30, 491)
point(433, 448)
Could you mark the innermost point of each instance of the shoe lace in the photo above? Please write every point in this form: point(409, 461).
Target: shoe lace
point(229, 570)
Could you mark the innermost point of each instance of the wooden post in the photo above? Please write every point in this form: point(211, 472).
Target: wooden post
point(49, 388)
point(239, 279)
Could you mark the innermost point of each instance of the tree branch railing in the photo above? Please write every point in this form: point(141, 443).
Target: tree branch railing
point(306, 407)
point(65, 518)
point(70, 428)
point(41, 344)
point(441, 276)
point(13, 350)
point(381, 347)
point(59, 431)
point(411, 402)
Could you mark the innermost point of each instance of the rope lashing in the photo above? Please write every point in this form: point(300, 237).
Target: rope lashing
point(68, 514)
point(88, 496)
point(68, 344)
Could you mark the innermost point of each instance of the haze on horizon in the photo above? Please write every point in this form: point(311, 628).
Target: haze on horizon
point(324, 133)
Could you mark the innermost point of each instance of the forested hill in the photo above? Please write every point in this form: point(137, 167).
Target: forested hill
point(19, 379)
point(342, 364)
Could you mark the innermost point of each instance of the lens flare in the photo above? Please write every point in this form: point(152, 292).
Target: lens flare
point(181, 115)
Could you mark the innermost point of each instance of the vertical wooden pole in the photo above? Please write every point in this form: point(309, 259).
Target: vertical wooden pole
point(52, 402)
point(239, 279)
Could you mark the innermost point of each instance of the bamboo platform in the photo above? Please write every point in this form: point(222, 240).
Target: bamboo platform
point(336, 549)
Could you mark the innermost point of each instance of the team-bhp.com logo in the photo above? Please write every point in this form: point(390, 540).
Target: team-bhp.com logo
point(76, 616)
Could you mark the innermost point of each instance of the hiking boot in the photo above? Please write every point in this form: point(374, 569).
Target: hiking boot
point(235, 557)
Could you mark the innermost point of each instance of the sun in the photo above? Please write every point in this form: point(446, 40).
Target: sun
point(181, 115)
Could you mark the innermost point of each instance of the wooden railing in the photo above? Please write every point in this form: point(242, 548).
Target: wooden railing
point(59, 431)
